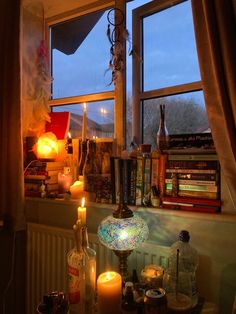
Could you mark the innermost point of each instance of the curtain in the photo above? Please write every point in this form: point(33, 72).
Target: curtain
point(11, 156)
point(215, 31)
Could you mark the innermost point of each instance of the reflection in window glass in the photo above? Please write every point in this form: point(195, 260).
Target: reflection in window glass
point(184, 114)
point(100, 118)
point(169, 54)
point(80, 56)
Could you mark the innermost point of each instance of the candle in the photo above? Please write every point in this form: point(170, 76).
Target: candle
point(64, 182)
point(76, 189)
point(152, 275)
point(84, 123)
point(109, 293)
point(82, 212)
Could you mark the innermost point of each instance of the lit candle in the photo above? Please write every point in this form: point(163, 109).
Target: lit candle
point(76, 189)
point(152, 275)
point(84, 122)
point(82, 212)
point(109, 293)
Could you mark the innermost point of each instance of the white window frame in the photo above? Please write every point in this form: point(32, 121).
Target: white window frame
point(139, 96)
point(118, 95)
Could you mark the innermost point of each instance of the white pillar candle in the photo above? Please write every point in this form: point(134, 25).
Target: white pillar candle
point(109, 286)
point(82, 212)
point(84, 122)
point(76, 189)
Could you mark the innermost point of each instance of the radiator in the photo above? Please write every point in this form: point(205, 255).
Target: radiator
point(47, 249)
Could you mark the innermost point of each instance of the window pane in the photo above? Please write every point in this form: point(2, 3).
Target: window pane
point(170, 56)
point(100, 118)
point(80, 56)
point(184, 114)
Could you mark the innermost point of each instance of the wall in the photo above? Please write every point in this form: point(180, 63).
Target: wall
point(213, 235)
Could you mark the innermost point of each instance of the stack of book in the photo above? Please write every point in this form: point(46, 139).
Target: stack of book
point(198, 183)
point(42, 173)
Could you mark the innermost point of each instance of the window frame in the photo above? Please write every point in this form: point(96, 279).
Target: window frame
point(139, 96)
point(118, 94)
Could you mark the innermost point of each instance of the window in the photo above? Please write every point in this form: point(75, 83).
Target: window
point(166, 72)
point(80, 56)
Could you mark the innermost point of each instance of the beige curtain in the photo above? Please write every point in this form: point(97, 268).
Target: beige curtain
point(215, 30)
point(11, 159)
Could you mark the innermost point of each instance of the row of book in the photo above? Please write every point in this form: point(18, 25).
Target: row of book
point(42, 175)
point(187, 182)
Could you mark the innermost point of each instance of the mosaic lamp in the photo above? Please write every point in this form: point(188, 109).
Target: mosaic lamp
point(123, 231)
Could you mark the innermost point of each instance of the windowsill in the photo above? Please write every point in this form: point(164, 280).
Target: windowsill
point(219, 217)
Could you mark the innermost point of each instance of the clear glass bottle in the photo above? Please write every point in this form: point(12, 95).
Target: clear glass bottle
point(162, 133)
point(82, 273)
point(76, 273)
point(188, 261)
point(90, 273)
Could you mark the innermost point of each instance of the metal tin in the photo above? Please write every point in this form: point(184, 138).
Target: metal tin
point(155, 301)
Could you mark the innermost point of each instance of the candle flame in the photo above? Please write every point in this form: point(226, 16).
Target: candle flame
point(84, 106)
point(83, 202)
point(69, 135)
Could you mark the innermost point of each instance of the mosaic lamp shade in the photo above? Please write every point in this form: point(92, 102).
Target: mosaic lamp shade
point(123, 234)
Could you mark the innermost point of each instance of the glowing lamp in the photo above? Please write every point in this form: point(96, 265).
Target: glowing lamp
point(47, 146)
point(123, 231)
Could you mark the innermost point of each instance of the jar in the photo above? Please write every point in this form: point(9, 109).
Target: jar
point(155, 301)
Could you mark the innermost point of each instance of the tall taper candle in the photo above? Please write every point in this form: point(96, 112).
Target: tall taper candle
point(84, 122)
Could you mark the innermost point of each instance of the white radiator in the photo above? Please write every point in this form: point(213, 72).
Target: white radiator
point(47, 248)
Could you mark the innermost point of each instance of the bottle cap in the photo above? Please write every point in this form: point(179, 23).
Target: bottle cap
point(184, 236)
point(129, 284)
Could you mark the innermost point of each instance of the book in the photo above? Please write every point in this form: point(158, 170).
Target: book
point(193, 182)
point(161, 174)
point(194, 176)
point(59, 124)
point(192, 201)
point(146, 178)
point(50, 165)
point(197, 194)
point(132, 173)
point(188, 171)
point(117, 180)
point(192, 157)
point(52, 187)
point(39, 177)
point(193, 164)
point(212, 210)
point(113, 185)
point(189, 187)
point(139, 180)
point(154, 171)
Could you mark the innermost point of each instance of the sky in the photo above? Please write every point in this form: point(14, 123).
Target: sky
point(164, 33)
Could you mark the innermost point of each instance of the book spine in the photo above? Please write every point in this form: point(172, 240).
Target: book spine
point(139, 180)
point(161, 174)
point(154, 172)
point(210, 210)
point(193, 164)
point(190, 171)
point(36, 177)
point(189, 187)
point(192, 201)
point(117, 180)
point(194, 176)
point(146, 177)
point(193, 182)
point(203, 157)
point(132, 173)
point(197, 194)
point(113, 188)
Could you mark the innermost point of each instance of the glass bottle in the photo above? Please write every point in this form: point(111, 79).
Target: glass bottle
point(83, 152)
point(188, 261)
point(76, 273)
point(162, 133)
point(90, 166)
point(90, 272)
point(128, 304)
point(82, 273)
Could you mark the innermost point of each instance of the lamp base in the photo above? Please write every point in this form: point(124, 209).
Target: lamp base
point(123, 266)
